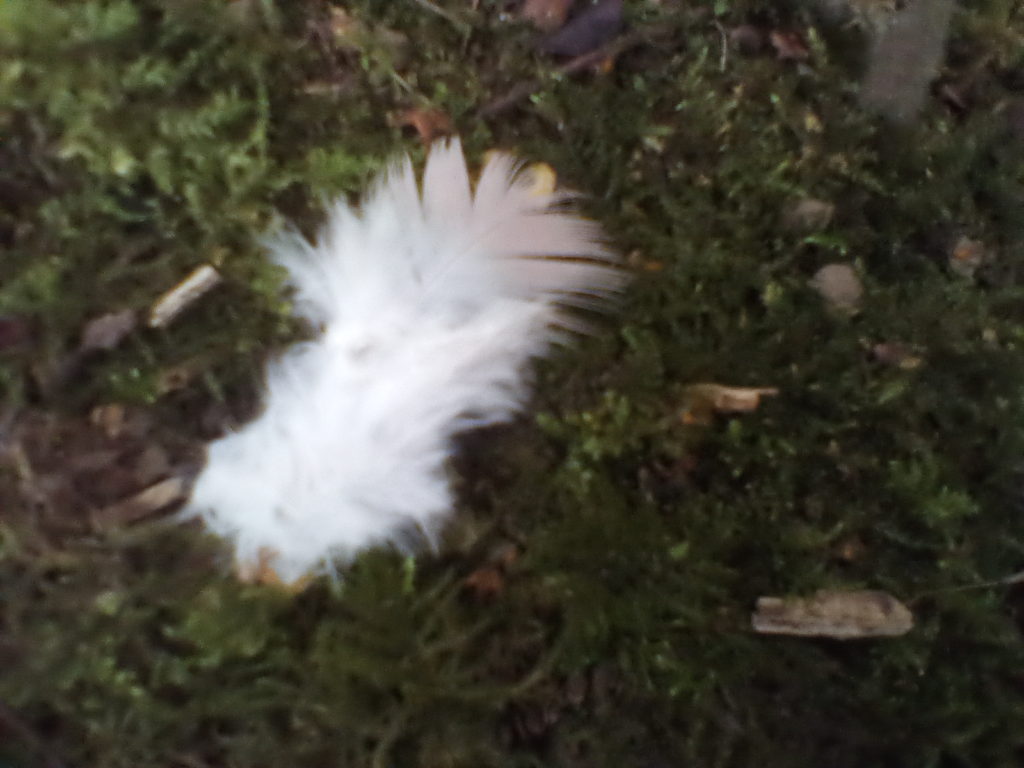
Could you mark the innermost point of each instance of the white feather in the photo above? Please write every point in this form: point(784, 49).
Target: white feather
point(431, 304)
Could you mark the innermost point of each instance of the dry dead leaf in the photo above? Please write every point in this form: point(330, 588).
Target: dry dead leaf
point(262, 572)
point(967, 255)
point(429, 123)
point(897, 355)
point(175, 378)
point(109, 418)
point(839, 615)
point(636, 260)
point(705, 399)
point(789, 46)
point(107, 331)
point(485, 583)
point(181, 296)
point(546, 15)
point(850, 550)
point(488, 581)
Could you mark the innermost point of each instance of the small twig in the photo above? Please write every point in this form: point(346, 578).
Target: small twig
point(724, 60)
point(611, 49)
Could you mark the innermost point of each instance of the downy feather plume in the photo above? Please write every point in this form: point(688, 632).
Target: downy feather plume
point(429, 306)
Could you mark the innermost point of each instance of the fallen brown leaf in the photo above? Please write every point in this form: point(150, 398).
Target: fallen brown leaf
point(263, 572)
point(897, 355)
point(967, 255)
point(109, 418)
point(839, 615)
point(789, 46)
point(850, 550)
point(429, 123)
point(485, 583)
point(636, 260)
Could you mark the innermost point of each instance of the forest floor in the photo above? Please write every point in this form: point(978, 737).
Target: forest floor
point(862, 284)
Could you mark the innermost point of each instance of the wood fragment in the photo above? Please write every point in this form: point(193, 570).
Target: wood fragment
point(839, 615)
point(145, 503)
point(705, 399)
point(181, 296)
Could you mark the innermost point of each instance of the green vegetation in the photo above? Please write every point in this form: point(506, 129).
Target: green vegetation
point(141, 139)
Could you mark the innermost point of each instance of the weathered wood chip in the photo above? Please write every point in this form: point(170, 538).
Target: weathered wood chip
point(839, 615)
point(185, 293)
point(144, 503)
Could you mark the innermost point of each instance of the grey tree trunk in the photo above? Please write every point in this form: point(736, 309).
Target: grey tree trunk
point(905, 59)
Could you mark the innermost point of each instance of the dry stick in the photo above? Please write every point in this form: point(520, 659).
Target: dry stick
point(580, 63)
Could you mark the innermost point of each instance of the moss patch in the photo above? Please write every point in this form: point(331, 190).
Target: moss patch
point(144, 138)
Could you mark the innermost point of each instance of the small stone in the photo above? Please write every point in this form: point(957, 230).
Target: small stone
point(840, 286)
point(809, 215)
point(107, 331)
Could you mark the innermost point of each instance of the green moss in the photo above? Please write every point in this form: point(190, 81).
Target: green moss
point(142, 139)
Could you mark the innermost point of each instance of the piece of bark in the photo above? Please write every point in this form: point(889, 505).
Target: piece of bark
point(838, 615)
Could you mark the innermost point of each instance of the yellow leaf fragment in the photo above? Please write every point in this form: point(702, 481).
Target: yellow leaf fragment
point(835, 614)
point(542, 178)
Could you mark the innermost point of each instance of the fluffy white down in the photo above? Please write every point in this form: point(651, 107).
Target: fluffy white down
point(430, 304)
